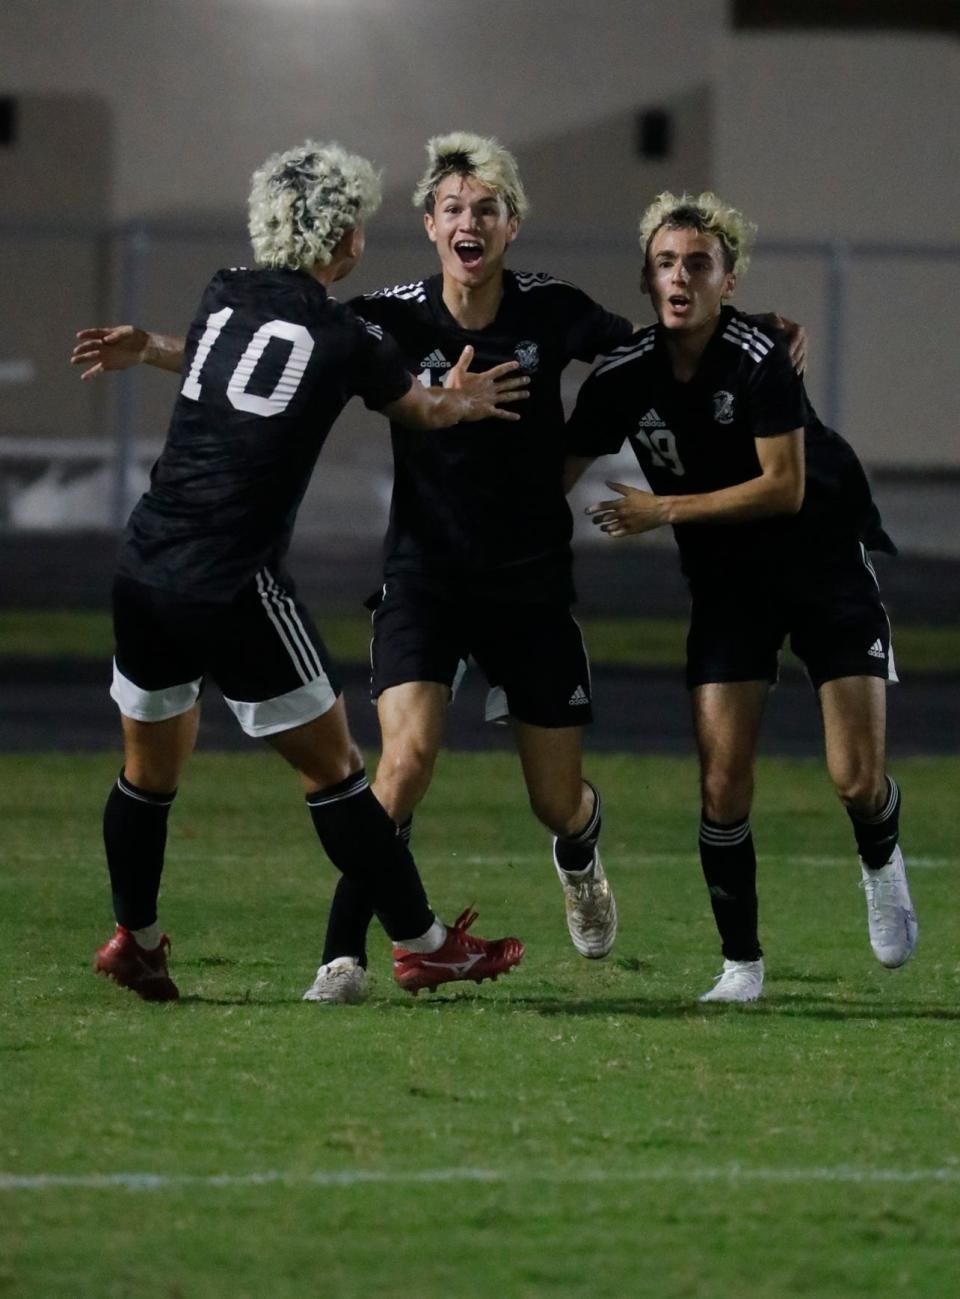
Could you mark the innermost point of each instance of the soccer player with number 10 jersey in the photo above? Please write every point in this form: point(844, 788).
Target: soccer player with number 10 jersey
point(201, 590)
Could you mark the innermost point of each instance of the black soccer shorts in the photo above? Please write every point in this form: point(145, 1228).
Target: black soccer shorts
point(532, 654)
point(262, 650)
point(831, 610)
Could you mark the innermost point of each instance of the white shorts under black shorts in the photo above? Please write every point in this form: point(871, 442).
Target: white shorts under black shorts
point(262, 650)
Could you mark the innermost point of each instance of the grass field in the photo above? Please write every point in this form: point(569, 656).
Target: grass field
point(577, 1129)
point(639, 642)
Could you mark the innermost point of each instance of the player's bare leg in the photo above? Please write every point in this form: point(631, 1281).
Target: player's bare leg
point(726, 718)
point(155, 753)
point(413, 719)
point(135, 835)
point(323, 751)
point(569, 806)
point(854, 731)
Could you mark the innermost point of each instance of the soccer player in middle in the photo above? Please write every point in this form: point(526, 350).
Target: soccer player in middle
point(478, 561)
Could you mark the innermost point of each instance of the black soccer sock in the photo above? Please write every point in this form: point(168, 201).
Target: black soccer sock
point(877, 836)
point(575, 851)
point(348, 922)
point(362, 842)
point(135, 838)
point(730, 869)
point(351, 913)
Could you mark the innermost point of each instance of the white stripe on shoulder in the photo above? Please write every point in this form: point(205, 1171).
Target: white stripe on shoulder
point(631, 351)
point(748, 337)
point(527, 280)
point(405, 291)
point(371, 328)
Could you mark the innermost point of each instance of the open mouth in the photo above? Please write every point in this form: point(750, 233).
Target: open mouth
point(679, 302)
point(470, 252)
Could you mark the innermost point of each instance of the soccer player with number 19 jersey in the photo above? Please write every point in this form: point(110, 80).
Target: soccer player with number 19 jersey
point(774, 519)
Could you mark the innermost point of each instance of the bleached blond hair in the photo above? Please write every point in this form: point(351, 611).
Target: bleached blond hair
point(479, 157)
point(703, 212)
point(303, 201)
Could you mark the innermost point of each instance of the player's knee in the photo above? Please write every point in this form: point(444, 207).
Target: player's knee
point(404, 773)
point(727, 793)
point(861, 789)
point(557, 810)
point(327, 767)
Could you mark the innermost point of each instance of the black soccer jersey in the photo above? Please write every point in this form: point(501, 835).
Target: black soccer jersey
point(484, 502)
point(270, 362)
point(699, 436)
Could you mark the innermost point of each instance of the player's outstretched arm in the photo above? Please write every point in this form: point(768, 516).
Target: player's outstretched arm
point(118, 347)
point(466, 397)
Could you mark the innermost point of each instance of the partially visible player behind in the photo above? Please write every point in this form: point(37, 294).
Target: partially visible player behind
point(774, 519)
point(201, 591)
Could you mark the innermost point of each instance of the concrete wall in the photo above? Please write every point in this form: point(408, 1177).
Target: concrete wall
point(817, 137)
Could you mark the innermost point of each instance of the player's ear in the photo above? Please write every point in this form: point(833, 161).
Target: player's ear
point(729, 284)
point(513, 227)
point(644, 282)
point(357, 242)
point(430, 226)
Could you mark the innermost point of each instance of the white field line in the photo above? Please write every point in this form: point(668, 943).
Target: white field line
point(676, 859)
point(731, 1174)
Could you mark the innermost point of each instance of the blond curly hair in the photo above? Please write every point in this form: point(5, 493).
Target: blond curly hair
point(479, 157)
point(703, 212)
point(303, 201)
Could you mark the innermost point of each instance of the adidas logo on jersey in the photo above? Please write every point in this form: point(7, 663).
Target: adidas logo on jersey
point(435, 361)
point(876, 651)
point(651, 420)
point(579, 696)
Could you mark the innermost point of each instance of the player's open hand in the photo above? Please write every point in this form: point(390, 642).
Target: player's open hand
point(635, 511)
point(488, 390)
point(115, 348)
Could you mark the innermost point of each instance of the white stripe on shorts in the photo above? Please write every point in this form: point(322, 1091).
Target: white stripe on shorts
point(152, 705)
point(282, 612)
point(283, 712)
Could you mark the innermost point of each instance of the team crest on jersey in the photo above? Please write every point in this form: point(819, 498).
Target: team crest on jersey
point(723, 407)
point(528, 354)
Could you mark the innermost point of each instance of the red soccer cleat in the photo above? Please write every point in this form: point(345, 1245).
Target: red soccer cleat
point(462, 956)
point(145, 973)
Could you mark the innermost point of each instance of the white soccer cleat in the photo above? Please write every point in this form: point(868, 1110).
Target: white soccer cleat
point(343, 982)
point(591, 908)
point(737, 981)
point(890, 915)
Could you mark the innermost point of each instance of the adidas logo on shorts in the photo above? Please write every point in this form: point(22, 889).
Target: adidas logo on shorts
point(579, 696)
point(876, 651)
point(435, 361)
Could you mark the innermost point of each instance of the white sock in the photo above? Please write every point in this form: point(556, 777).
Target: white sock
point(431, 941)
point(148, 938)
point(579, 875)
